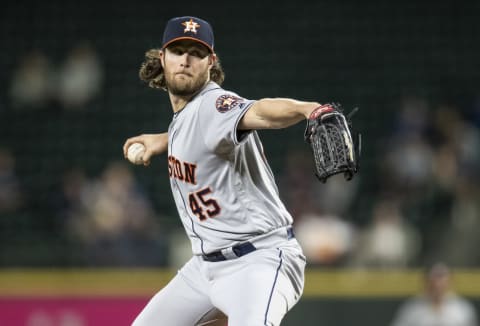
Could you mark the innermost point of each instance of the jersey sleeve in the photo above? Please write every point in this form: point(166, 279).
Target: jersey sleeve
point(219, 115)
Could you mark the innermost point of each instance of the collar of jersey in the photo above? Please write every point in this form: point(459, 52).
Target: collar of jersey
point(210, 86)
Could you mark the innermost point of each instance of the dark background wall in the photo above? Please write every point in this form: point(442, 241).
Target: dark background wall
point(369, 54)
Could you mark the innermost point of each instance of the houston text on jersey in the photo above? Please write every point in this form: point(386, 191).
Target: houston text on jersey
point(182, 171)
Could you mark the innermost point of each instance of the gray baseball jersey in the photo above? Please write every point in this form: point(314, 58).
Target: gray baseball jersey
point(223, 187)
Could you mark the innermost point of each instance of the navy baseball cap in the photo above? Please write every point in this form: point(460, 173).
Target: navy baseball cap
point(188, 28)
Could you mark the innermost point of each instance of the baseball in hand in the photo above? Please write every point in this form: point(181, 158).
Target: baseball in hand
point(135, 153)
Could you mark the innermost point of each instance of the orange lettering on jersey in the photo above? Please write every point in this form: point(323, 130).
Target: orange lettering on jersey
point(178, 170)
point(182, 171)
point(170, 170)
point(190, 173)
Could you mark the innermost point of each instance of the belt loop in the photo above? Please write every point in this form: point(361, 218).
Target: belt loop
point(228, 253)
point(290, 233)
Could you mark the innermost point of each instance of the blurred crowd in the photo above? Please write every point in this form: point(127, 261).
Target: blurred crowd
point(37, 83)
point(423, 186)
point(425, 203)
point(110, 217)
point(105, 219)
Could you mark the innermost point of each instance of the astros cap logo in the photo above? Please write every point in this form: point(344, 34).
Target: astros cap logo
point(190, 26)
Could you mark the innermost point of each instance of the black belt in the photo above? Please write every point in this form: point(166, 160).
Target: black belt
point(239, 250)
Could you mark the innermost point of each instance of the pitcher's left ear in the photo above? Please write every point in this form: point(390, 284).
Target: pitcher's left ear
point(212, 58)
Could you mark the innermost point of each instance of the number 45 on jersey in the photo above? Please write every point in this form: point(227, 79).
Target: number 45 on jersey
point(203, 206)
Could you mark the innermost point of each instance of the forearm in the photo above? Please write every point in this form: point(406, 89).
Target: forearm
point(276, 113)
point(161, 142)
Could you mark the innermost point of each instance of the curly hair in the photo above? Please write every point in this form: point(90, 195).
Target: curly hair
point(151, 71)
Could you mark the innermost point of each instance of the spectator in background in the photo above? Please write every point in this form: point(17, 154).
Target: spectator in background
point(438, 305)
point(32, 82)
point(389, 241)
point(406, 165)
point(459, 242)
point(327, 239)
point(116, 222)
point(456, 174)
point(409, 164)
point(67, 201)
point(80, 77)
point(458, 143)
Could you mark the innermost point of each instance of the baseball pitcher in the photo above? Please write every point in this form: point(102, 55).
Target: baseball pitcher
point(246, 262)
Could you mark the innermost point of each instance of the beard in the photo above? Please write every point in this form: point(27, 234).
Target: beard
point(185, 87)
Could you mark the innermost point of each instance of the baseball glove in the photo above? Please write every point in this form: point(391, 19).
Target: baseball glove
point(334, 150)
